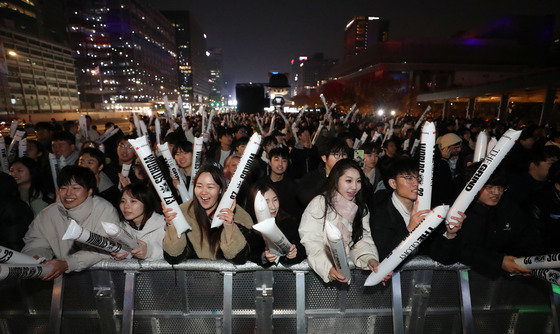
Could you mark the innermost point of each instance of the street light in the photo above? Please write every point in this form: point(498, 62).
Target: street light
point(393, 113)
point(380, 112)
point(12, 53)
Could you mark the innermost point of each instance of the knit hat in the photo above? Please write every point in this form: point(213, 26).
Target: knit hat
point(448, 140)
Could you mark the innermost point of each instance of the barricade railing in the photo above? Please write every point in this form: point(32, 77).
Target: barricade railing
point(200, 296)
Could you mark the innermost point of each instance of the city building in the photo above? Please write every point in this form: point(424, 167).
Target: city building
point(37, 76)
point(309, 73)
point(216, 79)
point(125, 52)
point(390, 75)
point(363, 32)
point(192, 56)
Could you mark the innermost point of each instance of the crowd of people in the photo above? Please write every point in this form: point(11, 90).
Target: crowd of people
point(360, 174)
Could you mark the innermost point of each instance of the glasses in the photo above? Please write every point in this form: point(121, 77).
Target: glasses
point(410, 178)
point(340, 155)
point(124, 146)
point(495, 189)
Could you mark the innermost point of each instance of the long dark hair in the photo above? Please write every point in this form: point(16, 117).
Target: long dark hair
point(145, 195)
point(263, 186)
point(330, 188)
point(202, 218)
point(38, 188)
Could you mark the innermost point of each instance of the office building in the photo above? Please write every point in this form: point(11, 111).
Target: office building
point(308, 73)
point(125, 52)
point(37, 76)
point(216, 79)
point(192, 56)
point(363, 32)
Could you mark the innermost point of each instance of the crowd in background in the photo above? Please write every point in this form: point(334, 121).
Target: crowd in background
point(359, 173)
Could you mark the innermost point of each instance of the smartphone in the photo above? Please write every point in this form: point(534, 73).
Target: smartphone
point(359, 157)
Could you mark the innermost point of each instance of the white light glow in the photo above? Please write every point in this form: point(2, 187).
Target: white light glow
point(393, 113)
point(380, 112)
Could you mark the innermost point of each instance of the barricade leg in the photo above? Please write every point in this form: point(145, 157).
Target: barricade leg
point(420, 294)
point(555, 305)
point(398, 325)
point(228, 302)
point(55, 318)
point(128, 302)
point(105, 301)
point(264, 299)
point(466, 306)
point(300, 302)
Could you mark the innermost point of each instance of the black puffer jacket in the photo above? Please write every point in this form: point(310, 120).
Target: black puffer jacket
point(490, 233)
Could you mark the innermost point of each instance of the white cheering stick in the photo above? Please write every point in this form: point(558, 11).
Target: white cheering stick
point(13, 128)
point(11, 256)
point(483, 173)
point(197, 161)
point(22, 147)
point(539, 261)
point(137, 125)
point(301, 112)
point(120, 236)
point(422, 117)
point(83, 126)
point(16, 139)
point(354, 116)
point(408, 245)
point(149, 161)
point(549, 275)
point(319, 129)
point(426, 166)
point(349, 113)
point(338, 252)
point(242, 171)
point(174, 169)
point(480, 147)
point(85, 236)
point(24, 271)
point(271, 127)
point(158, 131)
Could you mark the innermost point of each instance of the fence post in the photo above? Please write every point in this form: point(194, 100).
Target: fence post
point(55, 318)
point(128, 302)
point(228, 302)
point(398, 327)
point(301, 320)
point(466, 306)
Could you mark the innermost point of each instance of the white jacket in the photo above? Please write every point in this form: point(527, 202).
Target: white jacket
point(152, 234)
point(44, 236)
point(313, 237)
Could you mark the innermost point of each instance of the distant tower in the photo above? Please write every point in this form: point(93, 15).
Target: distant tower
point(363, 32)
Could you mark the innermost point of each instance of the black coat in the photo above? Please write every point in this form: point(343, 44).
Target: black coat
point(490, 233)
point(388, 229)
point(310, 185)
point(303, 161)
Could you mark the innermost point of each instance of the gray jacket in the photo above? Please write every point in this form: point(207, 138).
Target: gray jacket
point(44, 237)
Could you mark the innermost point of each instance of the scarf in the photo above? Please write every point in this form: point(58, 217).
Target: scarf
point(401, 208)
point(346, 211)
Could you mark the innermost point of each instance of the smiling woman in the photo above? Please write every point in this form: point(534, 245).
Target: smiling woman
point(233, 241)
point(342, 203)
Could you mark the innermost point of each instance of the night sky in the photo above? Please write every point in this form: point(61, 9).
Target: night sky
point(263, 35)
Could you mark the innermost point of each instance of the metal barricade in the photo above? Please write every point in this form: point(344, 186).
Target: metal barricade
point(202, 296)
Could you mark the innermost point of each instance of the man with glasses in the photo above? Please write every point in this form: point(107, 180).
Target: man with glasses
point(332, 150)
point(397, 216)
point(496, 231)
point(126, 155)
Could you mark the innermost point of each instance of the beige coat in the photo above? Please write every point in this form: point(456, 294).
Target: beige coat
point(44, 237)
point(313, 237)
point(175, 247)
